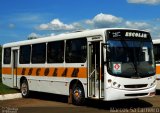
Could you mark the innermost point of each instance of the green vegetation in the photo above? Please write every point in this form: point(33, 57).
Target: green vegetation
point(5, 89)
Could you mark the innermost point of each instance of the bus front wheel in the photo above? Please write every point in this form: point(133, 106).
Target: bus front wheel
point(78, 95)
point(24, 89)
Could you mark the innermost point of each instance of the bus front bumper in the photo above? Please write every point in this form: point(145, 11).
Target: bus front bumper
point(117, 94)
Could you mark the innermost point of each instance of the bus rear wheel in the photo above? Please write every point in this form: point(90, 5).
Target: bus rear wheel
point(24, 89)
point(78, 96)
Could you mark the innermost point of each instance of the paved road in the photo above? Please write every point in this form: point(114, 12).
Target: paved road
point(49, 103)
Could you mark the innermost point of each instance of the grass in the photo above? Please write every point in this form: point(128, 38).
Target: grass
point(5, 89)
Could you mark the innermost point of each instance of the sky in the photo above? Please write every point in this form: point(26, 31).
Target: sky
point(20, 19)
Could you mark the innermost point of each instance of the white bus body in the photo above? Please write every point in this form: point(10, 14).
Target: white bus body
point(156, 44)
point(83, 64)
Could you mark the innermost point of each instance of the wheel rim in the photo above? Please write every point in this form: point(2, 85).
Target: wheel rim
point(77, 94)
point(24, 89)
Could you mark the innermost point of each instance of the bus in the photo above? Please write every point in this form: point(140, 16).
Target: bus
point(156, 46)
point(107, 64)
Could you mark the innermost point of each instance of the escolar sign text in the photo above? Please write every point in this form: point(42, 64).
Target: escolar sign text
point(135, 34)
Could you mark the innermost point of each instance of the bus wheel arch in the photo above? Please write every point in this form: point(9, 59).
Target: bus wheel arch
point(77, 92)
point(24, 87)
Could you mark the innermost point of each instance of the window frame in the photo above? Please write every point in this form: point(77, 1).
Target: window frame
point(156, 47)
point(73, 56)
point(35, 60)
point(54, 56)
point(5, 58)
point(22, 62)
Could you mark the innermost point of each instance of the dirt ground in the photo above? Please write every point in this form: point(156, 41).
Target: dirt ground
point(49, 103)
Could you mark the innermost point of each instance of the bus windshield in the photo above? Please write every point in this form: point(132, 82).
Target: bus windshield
point(130, 58)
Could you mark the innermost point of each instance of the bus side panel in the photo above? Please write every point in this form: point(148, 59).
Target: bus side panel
point(158, 76)
point(48, 84)
point(56, 85)
point(7, 80)
point(158, 84)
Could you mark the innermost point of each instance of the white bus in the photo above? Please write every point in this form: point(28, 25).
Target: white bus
point(107, 64)
point(156, 45)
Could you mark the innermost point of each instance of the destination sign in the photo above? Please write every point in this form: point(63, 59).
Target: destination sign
point(127, 34)
point(136, 34)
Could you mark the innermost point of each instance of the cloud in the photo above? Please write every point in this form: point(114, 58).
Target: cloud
point(11, 25)
point(136, 25)
point(27, 17)
point(57, 25)
point(104, 20)
point(157, 19)
point(100, 20)
point(152, 2)
point(154, 30)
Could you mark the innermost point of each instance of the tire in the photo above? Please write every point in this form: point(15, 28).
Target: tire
point(24, 89)
point(78, 96)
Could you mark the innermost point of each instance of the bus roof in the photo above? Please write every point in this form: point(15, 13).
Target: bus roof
point(64, 36)
point(156, 41)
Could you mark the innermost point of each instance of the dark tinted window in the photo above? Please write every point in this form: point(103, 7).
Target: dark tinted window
point(7, 56)
point(55, 52)
point(76, 50)
point(25, 52)
point(39, 53)
point(157, 53)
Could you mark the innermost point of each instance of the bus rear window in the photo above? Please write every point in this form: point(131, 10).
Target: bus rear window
point(7, 56)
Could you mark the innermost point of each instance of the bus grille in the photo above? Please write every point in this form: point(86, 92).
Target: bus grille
point(136, 86)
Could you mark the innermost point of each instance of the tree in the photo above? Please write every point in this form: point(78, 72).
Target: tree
point(33, 36)
point(30, 38)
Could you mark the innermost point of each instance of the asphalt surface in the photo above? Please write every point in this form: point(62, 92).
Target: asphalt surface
point(49, 103)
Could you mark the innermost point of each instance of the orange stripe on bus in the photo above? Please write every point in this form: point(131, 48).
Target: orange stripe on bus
point(57, 72)
point(6, 70)
point(157, 69)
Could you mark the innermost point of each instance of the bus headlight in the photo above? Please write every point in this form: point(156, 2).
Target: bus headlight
point(109, 80)
point(119, 86)
point(109, 83)
point(116, 85)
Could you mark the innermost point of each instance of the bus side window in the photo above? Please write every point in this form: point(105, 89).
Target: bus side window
point(38, 53)
point(25, 52)
point(7, 56)
point(55, 52)
point(157, 52)
point(76, 50)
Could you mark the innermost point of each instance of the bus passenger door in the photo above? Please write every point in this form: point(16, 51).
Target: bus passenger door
point(95, 83)
point(14, 66)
